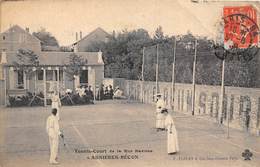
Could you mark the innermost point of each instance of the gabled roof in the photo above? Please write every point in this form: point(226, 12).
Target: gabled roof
point(61, 58)
point(19, 29)
point(96, 31)
point(58, 58)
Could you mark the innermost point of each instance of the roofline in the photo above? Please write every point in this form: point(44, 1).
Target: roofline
point(90, 34)
point(65, 52)
point(44, 65)
point(52, 52)
point(6, 31)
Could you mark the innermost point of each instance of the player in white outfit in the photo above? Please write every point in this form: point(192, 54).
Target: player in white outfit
point(160, 117)
point(53, 131)
point(56, 103)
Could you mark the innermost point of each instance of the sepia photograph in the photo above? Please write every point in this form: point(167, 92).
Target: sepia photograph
point(133, 83)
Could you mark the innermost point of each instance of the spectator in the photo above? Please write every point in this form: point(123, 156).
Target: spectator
point(90, 92)
point(102, 92)
point(118, 94)
point(111, 91)
point(107, 95)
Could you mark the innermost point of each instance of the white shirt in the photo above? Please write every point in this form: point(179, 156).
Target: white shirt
point(81, 92)
point(52, 126)
point(56, 103)
point(160, 104)
point(118, 93)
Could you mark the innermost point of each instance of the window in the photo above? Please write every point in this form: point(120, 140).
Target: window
point(20, 76)
point(49, 75)
point(55, 75)
point(84, 76)
point(60, 75)
point(40, 75)
point(3, 37)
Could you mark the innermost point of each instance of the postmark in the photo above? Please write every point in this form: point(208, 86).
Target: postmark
point(241, 34)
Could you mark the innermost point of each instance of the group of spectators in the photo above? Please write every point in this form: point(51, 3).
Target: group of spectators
point(82, 95)
point(104, 93)
point(85, 90)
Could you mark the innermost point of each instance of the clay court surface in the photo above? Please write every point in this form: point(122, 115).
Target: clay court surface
point(117, 125)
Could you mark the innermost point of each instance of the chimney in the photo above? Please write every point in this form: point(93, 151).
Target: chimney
point(80, 34)
point(27, 29)
point(76, 36)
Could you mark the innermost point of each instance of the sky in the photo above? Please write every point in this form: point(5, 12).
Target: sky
point(63, 18)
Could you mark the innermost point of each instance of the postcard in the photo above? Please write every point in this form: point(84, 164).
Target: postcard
point(134, 83)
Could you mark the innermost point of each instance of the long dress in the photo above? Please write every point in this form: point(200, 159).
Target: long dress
point(160, 118)
point(56, 103)
point(172, 136)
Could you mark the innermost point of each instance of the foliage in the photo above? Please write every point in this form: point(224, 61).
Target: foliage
point(38, 99)
point(26, 59)
point(122, 56)
point(47, 39)
point(74, 65)
point(24, 100)
point(158, 35)
point(17, 101)
point(75, 99)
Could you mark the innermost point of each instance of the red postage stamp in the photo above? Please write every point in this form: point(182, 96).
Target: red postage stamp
point(240, 27)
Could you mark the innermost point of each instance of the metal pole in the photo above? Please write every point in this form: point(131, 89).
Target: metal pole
point(173, 73)
point(142, 86)
point(222, 96)
point(157, 61)
point(194, 79)
point(44, 86)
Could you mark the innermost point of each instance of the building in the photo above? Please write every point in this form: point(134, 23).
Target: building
point(49, 74)
point(96, 36)
point(16, 37)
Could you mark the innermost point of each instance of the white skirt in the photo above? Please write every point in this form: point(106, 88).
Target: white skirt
point(172, 141)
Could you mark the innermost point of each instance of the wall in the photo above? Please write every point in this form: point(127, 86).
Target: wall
point(117, 82)
point(207, 101)
point(16, 38)
point(95, 36)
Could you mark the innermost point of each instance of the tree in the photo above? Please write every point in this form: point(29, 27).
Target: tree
point(122, 56)
point(74, 66)
point(158, 36)
point(47, 39)
point(26, 61)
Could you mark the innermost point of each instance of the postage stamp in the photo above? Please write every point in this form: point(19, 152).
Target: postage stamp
point(240, 27)
point(241, 33)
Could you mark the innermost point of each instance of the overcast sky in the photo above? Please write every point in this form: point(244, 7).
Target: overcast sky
point(63, 18)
